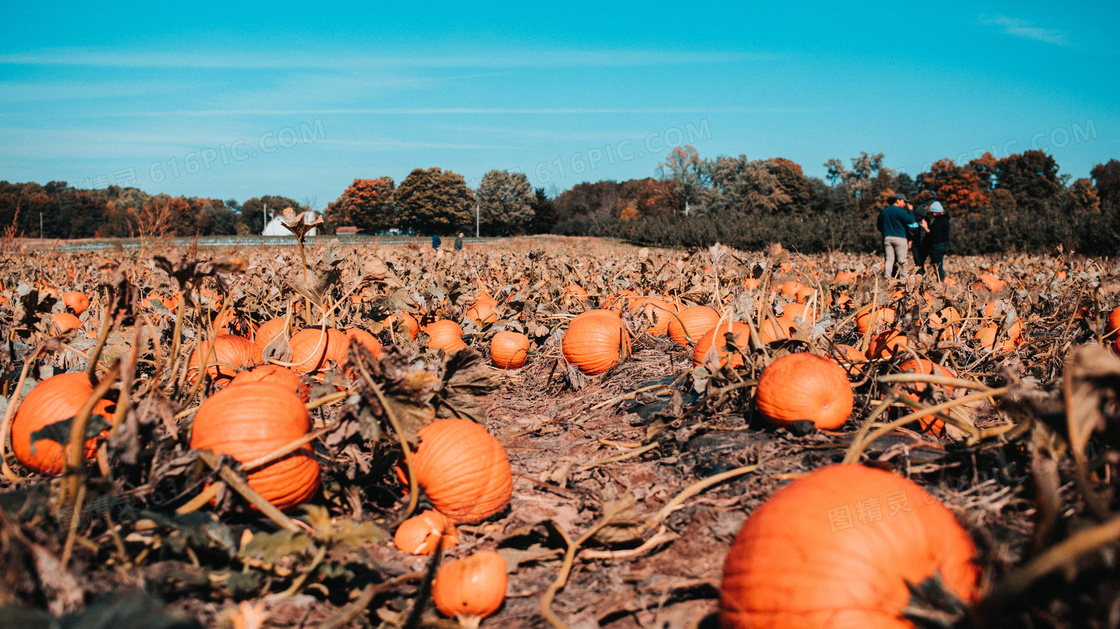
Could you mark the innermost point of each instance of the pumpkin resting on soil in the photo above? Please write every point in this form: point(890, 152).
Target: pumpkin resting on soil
point(691, 323)
point(805, 387)
point(471, 589)
point(595, 341)
point(463, 469)
point(422, 534)
point(53, 400)
point(717, 337)
point(251, 420)
point(836, 548)
point(509, 349)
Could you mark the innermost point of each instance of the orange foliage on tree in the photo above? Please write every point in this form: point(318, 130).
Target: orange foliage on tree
point(958, 188)
point(367, 204)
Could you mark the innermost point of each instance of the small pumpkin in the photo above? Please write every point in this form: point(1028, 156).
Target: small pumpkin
point(849, 357)
point(422, 534)
point(472, 588)
point(840, 547)
point(482, 310)
point(56, 399)
point(445, 334)
point(595, 341)
point(463, 469)
point(657, 312)
point(231, 354)
point(1009, 339)
point(401, 318)
point(886, 343)
point(269, 330)
point(1112, 324)
point(988, 282)
point(76, 301)
point(509, 349)
point(740, 334)
point(315, 350)
point(274, 373)
point(805, 387)
point(774, 329)
point(691, 323)
point(251, 420)
point(874, 318)
point(915, 390)
point(64, 322)
point(365, 338)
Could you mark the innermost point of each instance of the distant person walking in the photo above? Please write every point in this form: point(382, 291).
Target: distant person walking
point(936, 242)
point(435, 241)
point(459, 242)
point(896, 222)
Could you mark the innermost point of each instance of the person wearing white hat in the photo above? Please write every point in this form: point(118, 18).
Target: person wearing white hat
point(936, 242)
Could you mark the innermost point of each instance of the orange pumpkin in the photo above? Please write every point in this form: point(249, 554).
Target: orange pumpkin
point(849, 357)
point(56, 399)
point(989, 282)
point(509, 349)
point(269, 330)
point(64, 322)
point(873, 318)
point(402, 318)
point(471, 589)
point(423, 534)
point(1010, 339)
point(774, 329)
point(692, 323)
point(740, 334)
point(575, 290)
point(845, 277)
point(365, 338)
point(1112, 323)
point(886, 343)
point(313, 350)
point(445, 334)
point(482, 310)
point(251, 420)
point(274, 373)
point(595, 341)
point(463, 469)
point(839, 547)
point(657, 312)
point(76, 301)
point(804, 387)
point(916, 389)
point(231, 354)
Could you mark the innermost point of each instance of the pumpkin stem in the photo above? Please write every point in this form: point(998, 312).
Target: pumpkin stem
point(468, 621)
point(932, 604)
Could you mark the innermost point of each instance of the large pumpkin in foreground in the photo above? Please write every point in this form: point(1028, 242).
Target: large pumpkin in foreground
point(595, 341)
point(463, 469)
point(53, 400)
point(837, 548)
point(250, 420)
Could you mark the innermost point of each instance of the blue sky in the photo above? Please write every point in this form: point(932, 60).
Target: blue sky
point(236, 100)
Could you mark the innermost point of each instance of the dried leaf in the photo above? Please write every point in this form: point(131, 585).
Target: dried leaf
point(1091, 381)
point(624, 524)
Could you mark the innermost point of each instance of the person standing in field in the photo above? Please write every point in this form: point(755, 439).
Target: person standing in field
point(936, 242)
point(896, 222)
point(459, 242)
point(921, 233)
point(435, 241)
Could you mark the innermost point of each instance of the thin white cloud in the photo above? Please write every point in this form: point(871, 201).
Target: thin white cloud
point(319, 61)
point(440, 111)
point(1021, 28)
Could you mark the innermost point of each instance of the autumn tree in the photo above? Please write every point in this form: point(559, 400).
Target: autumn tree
point(504, 203)
point(253, 211)
point(985, 168)
point(862, 185)
point(682, 167)
point(367, 204)
point(544, 213)
point(958, 188)
point(589, 201)
point(434, 201)
point(1032, 178)
point(1107, 179)
point(1082, 196)
point(741, 186)
point(792, 181)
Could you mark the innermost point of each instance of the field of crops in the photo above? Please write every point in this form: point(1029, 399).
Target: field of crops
point(605, 436)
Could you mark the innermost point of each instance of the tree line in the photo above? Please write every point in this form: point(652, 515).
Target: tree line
point(706, 197)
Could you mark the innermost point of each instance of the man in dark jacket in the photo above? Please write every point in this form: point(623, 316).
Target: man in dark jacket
point(896, 222)
point(936, 242)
